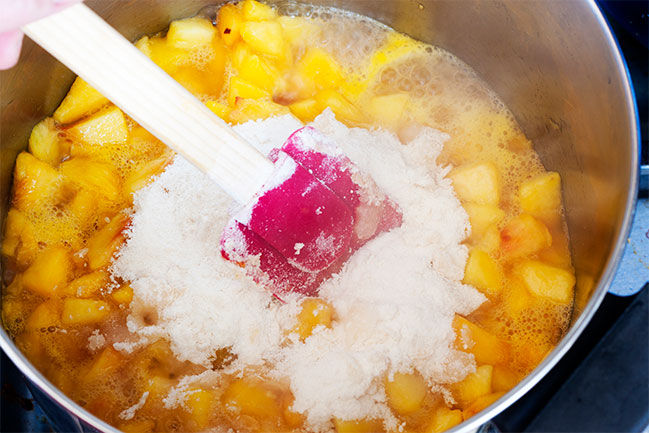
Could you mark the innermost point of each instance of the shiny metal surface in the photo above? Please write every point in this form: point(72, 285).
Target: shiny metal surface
point(555, 64)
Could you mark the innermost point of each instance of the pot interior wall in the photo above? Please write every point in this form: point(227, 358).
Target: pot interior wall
point(549, 61)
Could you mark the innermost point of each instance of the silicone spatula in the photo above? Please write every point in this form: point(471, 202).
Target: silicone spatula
point(303, 211)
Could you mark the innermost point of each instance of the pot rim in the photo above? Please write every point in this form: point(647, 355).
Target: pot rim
point(472, 424)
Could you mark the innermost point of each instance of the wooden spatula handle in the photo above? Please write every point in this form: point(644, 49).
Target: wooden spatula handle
point(95, 51)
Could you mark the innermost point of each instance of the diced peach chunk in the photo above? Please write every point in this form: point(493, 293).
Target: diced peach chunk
point(106, 363)
point(106, 127)
point(164, 55)
point(256, 11)
point(545, 281)
point(80, 101)
point(317, 71)
point(190, 33)
point(305, 110)
point(477, 183)
point(315, 312)
point(258, 72)
point(473, 386)
point(200, 403)
point(517, 298)
point(98, 177)
point(443, 419)
point(221, 110)
point(44, 142)
point(138, 426)
point(49, 273)
point(388, 110)
point(358, 426)
point(345, 111)
point(103, 244)
point(541, 196)
point(142, 175)
point(524, 236)
point(123, 295)
point(253, 109)
point(504, 379)
point(251, 398)
point(83, 311)
point(34, 182)
point(19, 241)
point(228, 24)
point(240, 88)
point(486, 347)
point(405, 392)
point(264, 37)
point(87, 285)
point(46, 315)
point(83, 207)
point(481, 403)
point(482, 217)
point(483, 272)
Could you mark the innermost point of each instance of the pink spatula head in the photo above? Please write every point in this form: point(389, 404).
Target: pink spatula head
point(312, 214)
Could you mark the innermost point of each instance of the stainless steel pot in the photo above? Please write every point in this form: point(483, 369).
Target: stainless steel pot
point(555, 64)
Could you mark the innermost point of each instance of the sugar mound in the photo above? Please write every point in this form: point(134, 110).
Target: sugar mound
point(395, 299)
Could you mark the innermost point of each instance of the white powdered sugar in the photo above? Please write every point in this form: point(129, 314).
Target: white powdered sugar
point(394, 300)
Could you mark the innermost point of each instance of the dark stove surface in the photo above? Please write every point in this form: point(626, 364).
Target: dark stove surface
point(600, 385)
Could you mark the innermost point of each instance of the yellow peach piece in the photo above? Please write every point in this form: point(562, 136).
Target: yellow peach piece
point(19, 241)
point(138, 426)
point(503, 379)
point(258, 72)
point(481, 403)
point(541, 196)
point(87, 285)
point(219, 109)
point(106, 363)
point(34, 182)
point(345, 111)
point(315, 312)
point(264, 37)
point(486, 347)
point(106, 127)
point(123, 295)
point(484, 273)
point(166, 56)
point(477, 183)
point(251, 398)
point(49, 273)
point(405, 392)
point(83, 207)
point(80, 101)
point(318, 71)
point(482, 217)
point(545, 281)
point(358, 426)
point(443, 419)
point(103, 244)
point(473, 386)
point(240, 88)
point(256, 11)
point(228, 24)
point(190, 33)
point(142, 175)
point(524, 236)
point(388, 110)
point(305, 110)
point(253, 109)
point(44, 142)
point(97, 177)
point(200, 403)
point(83, 311)
point(46, 315)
